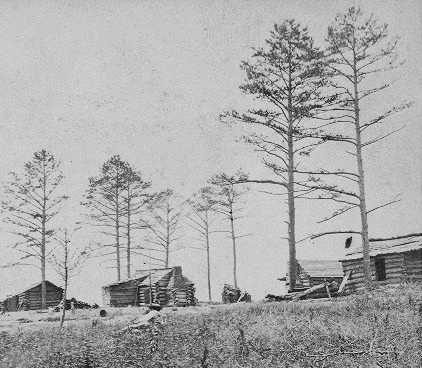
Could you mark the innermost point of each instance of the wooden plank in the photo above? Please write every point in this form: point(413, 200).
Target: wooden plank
point(343, 283)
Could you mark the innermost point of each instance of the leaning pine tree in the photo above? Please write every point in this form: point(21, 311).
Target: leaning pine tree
point(32, 201)
point(287, 79)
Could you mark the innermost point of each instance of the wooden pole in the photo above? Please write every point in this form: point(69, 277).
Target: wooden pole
point(327, 288)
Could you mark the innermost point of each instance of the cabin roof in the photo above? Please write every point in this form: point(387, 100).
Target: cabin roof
point(141, 275)
point(15, 293)
point(156, 275)
point(315, 268)
point(377, 247)
point(318, 268)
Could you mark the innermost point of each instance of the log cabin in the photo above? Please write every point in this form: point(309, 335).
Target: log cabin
point(393, 260)
point(30, 297)
point(163, 287)
point(311, 273)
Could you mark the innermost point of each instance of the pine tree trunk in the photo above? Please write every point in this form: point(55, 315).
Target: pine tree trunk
point(66, 278)
point(117, 235)
point(64, 305)
point(43, 284)
point(234, 246)
point(291, 197)
point(43, 244)
point(167, 236)
point(208, 256)
point(291, 231)
point(362, 197)
point(128, 239)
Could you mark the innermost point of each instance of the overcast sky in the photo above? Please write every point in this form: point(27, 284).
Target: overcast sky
point(147, 80)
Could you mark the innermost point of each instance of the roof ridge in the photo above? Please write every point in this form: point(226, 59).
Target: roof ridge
point(396, 237)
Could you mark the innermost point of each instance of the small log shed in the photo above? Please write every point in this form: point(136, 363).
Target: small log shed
point(30, 297)
point(164, 287)
point(393, 260)
point(311, 273)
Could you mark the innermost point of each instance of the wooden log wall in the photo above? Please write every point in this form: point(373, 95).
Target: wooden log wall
point(303, 280)
point(32, 299)
point(172, 297)
point(185, 296)
point(144, 295)
point(11, 303)
point(413, 265)
point(190, 294)
point(162, 293)
point(182, 296)
point(124, 294)
point(162, 286)
point(394, 270)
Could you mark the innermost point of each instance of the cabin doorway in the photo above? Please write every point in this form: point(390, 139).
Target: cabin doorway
point(380, 269)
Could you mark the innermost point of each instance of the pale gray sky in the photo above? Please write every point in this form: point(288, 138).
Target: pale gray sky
point(147, 80)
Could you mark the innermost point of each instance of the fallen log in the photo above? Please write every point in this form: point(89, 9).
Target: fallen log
point(301, 294)
point(144, 321)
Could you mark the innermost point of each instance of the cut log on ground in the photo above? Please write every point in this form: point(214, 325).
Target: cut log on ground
point(301, 294)
point(144, 321)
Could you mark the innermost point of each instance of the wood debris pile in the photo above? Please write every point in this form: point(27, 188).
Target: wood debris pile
point(145, 321)
point(232, 294)
point(327, 289)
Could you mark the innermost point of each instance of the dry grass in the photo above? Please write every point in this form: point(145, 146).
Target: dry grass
point(383, 330)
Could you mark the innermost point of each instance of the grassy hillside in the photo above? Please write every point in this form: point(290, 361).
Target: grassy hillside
point(383, 330)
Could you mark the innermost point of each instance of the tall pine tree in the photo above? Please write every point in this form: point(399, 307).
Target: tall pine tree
point(33, 199)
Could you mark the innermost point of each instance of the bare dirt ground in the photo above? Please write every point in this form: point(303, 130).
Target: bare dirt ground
point(38, 319)
point(33, 320)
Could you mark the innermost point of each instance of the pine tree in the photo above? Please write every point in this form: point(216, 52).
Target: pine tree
point(32, 201)
point(287, 80)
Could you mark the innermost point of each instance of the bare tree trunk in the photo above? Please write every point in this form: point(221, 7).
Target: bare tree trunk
point(208, 256)
point(66, 278)
point(43, 241)
point(167, 235)
point(43, 285)
point(64, 304)
point(234, 246)
point(291, 197)
point(117, 235)
point(167, 256)
point(128, 239)
point(362, 198)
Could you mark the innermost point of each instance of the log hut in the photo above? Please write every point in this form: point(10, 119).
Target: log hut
point(163, 287)
point(393, 260)
point(311, 273)
point(30, 297)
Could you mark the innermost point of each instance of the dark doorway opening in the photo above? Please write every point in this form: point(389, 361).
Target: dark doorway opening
point(380, 269)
